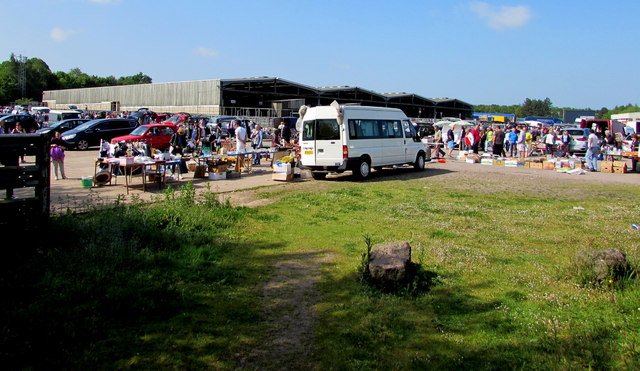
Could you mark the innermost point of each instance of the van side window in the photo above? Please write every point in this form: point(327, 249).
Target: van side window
point(367, 129)
point(395, 130)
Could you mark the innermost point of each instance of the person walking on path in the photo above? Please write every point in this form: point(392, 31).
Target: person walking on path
point(451, 141)
point(56, 151)
point(593, 146)
point(437, 140)
point(256, 143)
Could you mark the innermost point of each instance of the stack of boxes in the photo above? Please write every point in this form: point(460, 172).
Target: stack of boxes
point(282, 171)
point(619, 167)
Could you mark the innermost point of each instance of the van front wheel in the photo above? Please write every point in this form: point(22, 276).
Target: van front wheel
point(419, 164)
point(363, 170)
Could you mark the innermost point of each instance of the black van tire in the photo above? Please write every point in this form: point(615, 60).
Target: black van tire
point(420, 161)
point(82, 144)
point(363, 170)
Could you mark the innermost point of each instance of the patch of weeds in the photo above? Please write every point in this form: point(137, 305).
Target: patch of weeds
point(438, 233)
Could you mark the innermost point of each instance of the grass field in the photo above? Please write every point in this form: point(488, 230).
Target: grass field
point(179, 284)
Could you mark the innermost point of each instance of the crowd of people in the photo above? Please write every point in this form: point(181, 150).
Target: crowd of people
point(522, 141)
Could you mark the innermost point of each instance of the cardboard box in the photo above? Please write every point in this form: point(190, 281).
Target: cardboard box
point(536, 165)
point(606, 168)
point(218, 168)
point(620, 169)
point(549, 165)
point(217, 176)
point(486, 161)
point(282, 167)
point(498, 162)
point(619, 163)
point(282, 177)
point(527, 164)
point(126, 160)
point(606, 163)
point(511, 163)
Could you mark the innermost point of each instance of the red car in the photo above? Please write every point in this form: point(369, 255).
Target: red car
point(156, 135)
point(178, 118)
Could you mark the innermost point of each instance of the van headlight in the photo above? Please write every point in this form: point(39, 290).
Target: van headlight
point(67, 137)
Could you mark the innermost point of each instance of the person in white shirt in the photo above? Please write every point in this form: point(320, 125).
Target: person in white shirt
point(593, 146)
point(241, 137)
point(550, 141)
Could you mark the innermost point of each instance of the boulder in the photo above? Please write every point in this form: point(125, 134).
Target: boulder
point(600, 265)
point(389, 263)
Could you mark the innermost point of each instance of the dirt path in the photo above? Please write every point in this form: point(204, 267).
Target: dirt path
point(289, 298)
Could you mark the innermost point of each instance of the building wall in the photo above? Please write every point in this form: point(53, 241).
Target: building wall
point(630, 116)
point(171, 94)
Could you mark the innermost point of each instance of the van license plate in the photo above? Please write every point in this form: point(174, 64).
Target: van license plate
point(308, 152)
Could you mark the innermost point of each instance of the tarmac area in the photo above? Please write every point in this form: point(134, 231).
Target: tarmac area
point(69, 194)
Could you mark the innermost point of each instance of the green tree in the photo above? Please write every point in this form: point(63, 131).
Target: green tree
point(536, 107)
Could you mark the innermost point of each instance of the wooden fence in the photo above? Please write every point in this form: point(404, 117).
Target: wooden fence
point(25, 204)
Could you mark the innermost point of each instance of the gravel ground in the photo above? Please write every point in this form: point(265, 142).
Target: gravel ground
point(69, 193)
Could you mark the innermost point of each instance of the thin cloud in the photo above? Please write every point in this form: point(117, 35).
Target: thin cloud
point(60, 35)
point(503, 16)
point(205, 52)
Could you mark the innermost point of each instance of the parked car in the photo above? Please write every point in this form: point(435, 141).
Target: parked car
point(92, 132)
point(155, 135)
point(424, 129)
point(225, 123)
point(27, 122)
point(60, 115)
point(62, 126)
point(579, 137)
point(177, 119)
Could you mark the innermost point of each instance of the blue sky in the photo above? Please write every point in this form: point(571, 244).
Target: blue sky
point(581, 54)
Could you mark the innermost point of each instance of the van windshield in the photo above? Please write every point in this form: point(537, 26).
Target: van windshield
point(323, 129)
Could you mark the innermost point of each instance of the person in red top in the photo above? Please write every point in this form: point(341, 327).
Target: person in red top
point(476, 136)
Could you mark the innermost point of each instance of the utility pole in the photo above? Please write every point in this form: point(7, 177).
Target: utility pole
point(22, 75)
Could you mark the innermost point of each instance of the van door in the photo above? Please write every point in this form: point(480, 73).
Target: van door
point(393, 148)
point(321, 144)
point(411, 142)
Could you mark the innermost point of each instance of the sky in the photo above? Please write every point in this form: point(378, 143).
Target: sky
point(579, 54)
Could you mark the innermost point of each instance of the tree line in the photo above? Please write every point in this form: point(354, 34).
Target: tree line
point(38, 77)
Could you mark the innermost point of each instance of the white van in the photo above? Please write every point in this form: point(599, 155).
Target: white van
point(337, 138)
point(35, 110)
point(59, 115)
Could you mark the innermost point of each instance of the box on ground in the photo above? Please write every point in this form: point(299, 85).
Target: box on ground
point(535, 165)
point(282, 167)
point(282, 177)
point(620, 169)
point(619, 163)
point(486, 161)
point(549, 165)
point(217, 176)
point(606, 168)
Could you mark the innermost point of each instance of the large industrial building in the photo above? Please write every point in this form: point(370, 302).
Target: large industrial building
point(247, 97)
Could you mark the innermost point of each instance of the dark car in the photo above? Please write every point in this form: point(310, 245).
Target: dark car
point(62, 126)
point(425, 129)
point(92, 132)
point(27, 122)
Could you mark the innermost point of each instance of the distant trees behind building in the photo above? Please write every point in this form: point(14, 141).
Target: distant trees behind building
point(24, 80)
